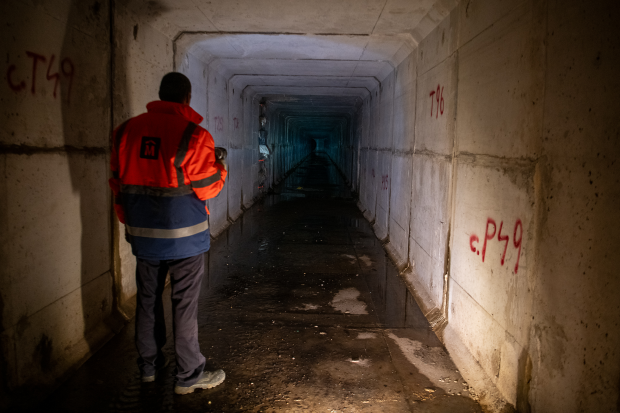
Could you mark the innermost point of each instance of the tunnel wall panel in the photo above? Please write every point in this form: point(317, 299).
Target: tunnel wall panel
point(380, 144)
point(358, 134)
point(498, 353)
point(439, 45)
point(399, 179)
point(383, 138)
point(429, 223)
point(495, 272)
point(196, 70)
point(500, 88)
point(250, 185)
point(404, 123)
point(62, 110)
point(55, 208)
point(368, 190)
point(405, 77)
point(218, 123)
point(139, 64)
point(473, 19)
point(430, 208)
point(400, 194)
point(575, 335)
point(384, 164)
point(436, 109)
point(236, 170)
point(48, 341)
point(499, 113)
point(213, 98)
point(45, 263)
point(142, 55)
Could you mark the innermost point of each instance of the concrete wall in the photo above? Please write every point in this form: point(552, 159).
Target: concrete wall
point(237, 174)
point(501, 155)
point(141, 56)
point(250, 190)
point(574, 338)
point(67, 280)
point(56, 277)
point(218, 124)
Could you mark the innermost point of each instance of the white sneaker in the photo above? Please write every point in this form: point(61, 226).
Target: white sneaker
point(208, 380)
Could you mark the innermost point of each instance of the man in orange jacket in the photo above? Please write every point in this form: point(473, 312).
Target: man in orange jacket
point(164, 167)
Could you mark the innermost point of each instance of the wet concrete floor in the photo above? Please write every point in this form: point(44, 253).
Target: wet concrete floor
point(303, 310)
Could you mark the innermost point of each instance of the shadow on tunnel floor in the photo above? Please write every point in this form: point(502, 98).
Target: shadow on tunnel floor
point(303, 310)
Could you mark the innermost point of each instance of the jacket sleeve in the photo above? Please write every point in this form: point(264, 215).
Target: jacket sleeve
point(206, 175)
point(115, 182)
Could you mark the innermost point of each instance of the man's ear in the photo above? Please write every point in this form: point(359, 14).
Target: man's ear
point(187, 99)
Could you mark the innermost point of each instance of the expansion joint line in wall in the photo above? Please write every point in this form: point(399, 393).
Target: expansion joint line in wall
point(431, 154)
point(32, 150)
point(494, 160)
point(451, 200)
point(409, 223)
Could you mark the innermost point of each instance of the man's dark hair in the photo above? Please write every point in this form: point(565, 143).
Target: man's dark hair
point(174, 87)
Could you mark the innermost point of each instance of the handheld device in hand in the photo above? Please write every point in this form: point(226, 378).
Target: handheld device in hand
point(220, 153)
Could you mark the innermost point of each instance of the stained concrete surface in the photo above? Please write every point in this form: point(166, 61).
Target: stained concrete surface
point(302, 309)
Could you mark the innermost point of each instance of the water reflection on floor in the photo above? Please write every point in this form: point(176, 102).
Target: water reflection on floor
point(303, 310)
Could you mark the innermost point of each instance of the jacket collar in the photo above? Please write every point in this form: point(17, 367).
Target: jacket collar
point(172, 108)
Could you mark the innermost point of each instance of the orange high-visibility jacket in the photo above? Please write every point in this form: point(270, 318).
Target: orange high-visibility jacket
point(163, 169)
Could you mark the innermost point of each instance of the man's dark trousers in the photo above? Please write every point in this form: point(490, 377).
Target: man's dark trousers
point(185, 279)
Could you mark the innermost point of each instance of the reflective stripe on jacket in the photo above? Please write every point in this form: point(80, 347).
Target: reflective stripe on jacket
point(163, 169)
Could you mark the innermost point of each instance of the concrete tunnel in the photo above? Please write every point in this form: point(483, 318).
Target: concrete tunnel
point(479, 139)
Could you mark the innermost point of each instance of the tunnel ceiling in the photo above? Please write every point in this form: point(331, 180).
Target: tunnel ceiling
point(308, 61)
point(292, 46)
point(301, 48)
point(352, 17)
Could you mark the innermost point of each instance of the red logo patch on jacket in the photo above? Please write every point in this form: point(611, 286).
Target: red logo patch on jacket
point(149, 149)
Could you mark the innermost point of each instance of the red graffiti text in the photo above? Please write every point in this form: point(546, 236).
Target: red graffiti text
point(437, 96)
point(236, 123)
point(65, 66)
point(218, 123)
point(384, 182)
point(490, 232)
